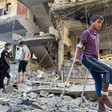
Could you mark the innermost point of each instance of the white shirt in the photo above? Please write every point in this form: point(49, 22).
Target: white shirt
point(26, 53)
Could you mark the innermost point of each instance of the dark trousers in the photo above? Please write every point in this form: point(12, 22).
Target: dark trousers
point(4, 73)
point(1, 80)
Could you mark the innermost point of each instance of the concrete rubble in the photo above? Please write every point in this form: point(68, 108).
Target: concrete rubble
point(41, 93)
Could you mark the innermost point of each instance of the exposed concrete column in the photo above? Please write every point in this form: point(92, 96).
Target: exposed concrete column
point(61, 52)
point(13, 51)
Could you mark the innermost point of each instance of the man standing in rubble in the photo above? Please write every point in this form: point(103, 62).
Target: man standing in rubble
point(5, 65)
point(25, 57)
point(89, 45)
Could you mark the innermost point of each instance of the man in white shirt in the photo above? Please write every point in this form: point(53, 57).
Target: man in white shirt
point(25, 57)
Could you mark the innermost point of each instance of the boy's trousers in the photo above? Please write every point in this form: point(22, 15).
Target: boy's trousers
point(100, 72)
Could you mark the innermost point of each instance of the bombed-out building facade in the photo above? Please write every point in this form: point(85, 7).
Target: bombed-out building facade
point(52, 28)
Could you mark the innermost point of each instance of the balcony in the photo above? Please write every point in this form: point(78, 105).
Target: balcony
point(15, 20)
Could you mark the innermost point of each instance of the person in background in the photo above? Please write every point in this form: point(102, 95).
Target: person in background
point(5, 65)
point(24, 58)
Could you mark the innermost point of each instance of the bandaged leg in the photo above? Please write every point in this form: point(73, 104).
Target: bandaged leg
point(104, 98)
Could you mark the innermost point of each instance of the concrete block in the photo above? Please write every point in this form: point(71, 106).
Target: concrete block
point(44, 93)
point(61, 85)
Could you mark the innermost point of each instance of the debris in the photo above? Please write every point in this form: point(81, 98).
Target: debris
point(23, 87)
point(51, 95)
point(9, 89)
point(27, 102)
point(36, 105)
point(14, 109)
point(67, 98)
point(32, 95)
point(61, 85)
point(44, 94)
point(4, 108)
point(4, 101)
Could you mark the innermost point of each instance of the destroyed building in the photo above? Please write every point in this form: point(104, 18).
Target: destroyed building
point(51, 29)
point(42, 24)
point(18, 21)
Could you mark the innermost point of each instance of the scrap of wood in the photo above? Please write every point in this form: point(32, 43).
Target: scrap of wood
point(109, 55)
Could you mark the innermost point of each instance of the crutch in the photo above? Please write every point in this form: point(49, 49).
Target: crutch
point(67, 80)
point(82, 95)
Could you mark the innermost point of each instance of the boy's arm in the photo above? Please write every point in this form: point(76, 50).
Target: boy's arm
point(29, 56)
point(5, 58)
point(24, 54)
point(78, 61)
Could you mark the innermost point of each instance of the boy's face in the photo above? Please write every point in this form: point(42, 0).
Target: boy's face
point(8, 47)
point(97, 24)
point(22, 45)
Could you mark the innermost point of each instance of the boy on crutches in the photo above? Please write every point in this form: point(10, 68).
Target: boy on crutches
point(89, 42)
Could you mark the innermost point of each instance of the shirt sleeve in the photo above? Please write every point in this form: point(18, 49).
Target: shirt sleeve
point(23, 48)
point(84, 36)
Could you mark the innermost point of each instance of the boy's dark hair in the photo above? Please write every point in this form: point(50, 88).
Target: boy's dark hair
point(7, 44)
point(95, 17)
point(22, 43)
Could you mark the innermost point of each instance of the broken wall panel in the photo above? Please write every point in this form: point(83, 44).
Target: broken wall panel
point(21, 9)
point(42, 56)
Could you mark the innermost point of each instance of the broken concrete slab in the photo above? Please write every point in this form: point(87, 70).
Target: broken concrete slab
point(50, 90)
point(44, 94)
point(41, 83)
point(23, 87)
point(51, 95)
point(9, 89)
point(4, 101)
point(36, 105)
point(61, 85)
point(73, 90)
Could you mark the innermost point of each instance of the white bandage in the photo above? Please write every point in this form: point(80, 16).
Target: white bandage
point(104, 93)
point(80, 46)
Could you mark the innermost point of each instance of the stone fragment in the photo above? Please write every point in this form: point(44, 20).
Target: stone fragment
point(36, 105)
point(4, 101)
point(44, 93)
point(61, 85)
point(51, 95)
point(32, 95)
point(67, 98)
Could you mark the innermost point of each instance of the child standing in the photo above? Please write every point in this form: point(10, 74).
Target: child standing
point(89, 57)
point(25, 57)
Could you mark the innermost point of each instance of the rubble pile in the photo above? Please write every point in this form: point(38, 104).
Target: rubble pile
point(41, 93)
